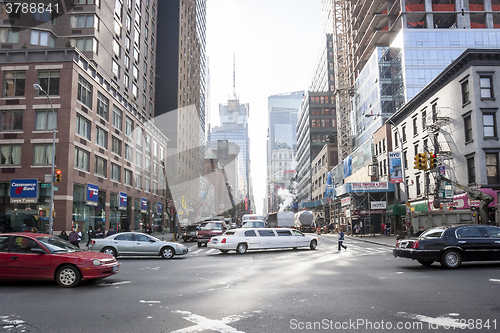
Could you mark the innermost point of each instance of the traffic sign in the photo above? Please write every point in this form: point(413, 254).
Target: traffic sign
point(44, 185)
point(442, 170)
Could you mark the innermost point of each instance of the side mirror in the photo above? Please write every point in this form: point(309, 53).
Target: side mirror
point(37, 250)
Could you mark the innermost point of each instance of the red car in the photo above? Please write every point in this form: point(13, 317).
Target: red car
point(30, 256)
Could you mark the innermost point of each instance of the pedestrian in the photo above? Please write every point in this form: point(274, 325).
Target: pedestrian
point(341, 240)
point(73, 238)
point(99, 233)
point(357, 229)
point(382, 229)
point(388, 228)
point(148, 229)
point(90, 234)
point(111, 231)
point(63, 235)
point(35, 230)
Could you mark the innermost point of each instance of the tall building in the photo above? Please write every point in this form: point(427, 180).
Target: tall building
point(97, 62)
point(181, 87)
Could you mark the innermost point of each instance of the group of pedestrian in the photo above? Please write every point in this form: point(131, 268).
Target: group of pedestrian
point(385, 229)
point(75, 236)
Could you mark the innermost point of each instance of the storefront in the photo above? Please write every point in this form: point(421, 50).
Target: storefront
point(119, 211)
point(88, 208)
point(141, 216)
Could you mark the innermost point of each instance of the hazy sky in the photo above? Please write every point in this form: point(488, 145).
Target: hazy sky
point(276, 43)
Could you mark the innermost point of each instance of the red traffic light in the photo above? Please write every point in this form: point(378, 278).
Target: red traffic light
point(41, 213)
point(58, 172)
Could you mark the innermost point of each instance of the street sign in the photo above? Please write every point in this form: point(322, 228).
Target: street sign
point(442, 170)
point(44, 185)
point(56, 188)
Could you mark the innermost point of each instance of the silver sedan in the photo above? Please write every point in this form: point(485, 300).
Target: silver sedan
point(137, 244)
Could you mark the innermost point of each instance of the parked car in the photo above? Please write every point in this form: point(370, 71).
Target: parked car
point(137, 244)
point(254, 224)
point(190, 233)
point(208, 230)
point(452, 246)
point(34, 256)
point(241, 240)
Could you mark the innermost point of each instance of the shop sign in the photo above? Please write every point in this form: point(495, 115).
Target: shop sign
point(159, 207)
point(92, 194)
point(144, 205)
point(24, 190)
point(345, 201)
point(378, 204)
point(347, 213)
point(369, 186)
point(122, 201)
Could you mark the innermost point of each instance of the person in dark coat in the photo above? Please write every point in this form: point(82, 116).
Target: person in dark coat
point(341, 240)
point(90, 234)
point(99, 233)
point(63, 235)
point(73, 238)
point(111, 231)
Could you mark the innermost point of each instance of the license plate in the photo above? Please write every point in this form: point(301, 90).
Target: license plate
point(214, 240)
point(115, 269)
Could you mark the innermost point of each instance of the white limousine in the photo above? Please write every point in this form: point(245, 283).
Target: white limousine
point(241, 240)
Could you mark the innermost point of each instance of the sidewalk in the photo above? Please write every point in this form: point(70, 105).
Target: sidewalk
point(378, 239)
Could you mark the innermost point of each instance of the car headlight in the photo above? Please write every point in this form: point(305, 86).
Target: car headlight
point(96, 262)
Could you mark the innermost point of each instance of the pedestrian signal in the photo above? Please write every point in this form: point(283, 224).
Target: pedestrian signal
point(58, 176)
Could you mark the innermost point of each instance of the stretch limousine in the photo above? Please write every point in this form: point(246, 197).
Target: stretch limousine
point(241, 240)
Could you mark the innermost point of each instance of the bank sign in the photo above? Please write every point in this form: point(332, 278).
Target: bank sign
point(24, 190)
point(144, 205)
point(159, 207)
point(92, 194)
point(122, 204)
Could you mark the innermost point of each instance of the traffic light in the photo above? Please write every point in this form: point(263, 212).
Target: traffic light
point(58, 176)
point(415, 164)
point(422, 161)
point(432, 161)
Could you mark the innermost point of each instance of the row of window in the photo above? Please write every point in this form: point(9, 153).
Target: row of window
point(15, 82)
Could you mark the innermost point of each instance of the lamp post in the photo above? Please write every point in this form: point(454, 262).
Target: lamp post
point(51, 218)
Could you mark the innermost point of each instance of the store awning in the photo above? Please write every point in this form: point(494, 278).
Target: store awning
point(396, 209)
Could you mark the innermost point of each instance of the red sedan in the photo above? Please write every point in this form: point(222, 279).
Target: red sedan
point(30, 256)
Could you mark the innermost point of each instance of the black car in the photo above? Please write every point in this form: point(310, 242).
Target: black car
point(190, 233)
point(452, 246)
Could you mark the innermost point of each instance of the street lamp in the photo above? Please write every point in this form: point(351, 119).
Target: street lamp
point(403, 191)
point(51, 218)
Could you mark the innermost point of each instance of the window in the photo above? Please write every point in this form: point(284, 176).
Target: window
point(405, 156)
point(129, 127)
point(42, 38)
point(417, 183)
point(128, 177)
point(471, 171)
point(128, 153)
point(415, 127)
point(10, 154)
point(12, 120)
point(415, 149)
point(87, 44)
point(100, 166)
point(155, 169)
point(135, 72)
point(466, 232)
point(492, 168)
point(14, 83)
point(489, 125)
point(115, 68)
point(147, 164)
point(102, 105)
point(138, 139)
point(9, 36)
point(136, 36)
point(284, 232)
point(162, 153)
point(82, 159)
point(117, 117)
point(84, 21)
point(134, 90)
point(101, 137)
point(147, 142)
point(127, 43)
point(116, 146)
point(46, 120)
point(84, 92)
point(42, 154)
point(147, 186)
point(138, 159)
point(83, 127)
point(127, 62)
point(486, 85)
point(136, 54)
point(155, 148)
point(116, 48)
point(468, 128)
point(126, 80)
point(118, 9)
point(138, 181)
point(137, 17)
point(49, 81)
point(465, 92)
point(128, 21)
point(403, 129)
point(396, 139)
point(266, 233)
point(424, 115)
point(115, 172)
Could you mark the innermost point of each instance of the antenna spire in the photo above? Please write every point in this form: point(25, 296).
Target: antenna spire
point(234, 75)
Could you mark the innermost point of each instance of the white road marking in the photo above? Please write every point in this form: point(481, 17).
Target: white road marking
point(142, 301)
point(203, 323)
point(211, 250)
point(494, 280)
point(198, 251)
point(113, 283)
point(438, 321)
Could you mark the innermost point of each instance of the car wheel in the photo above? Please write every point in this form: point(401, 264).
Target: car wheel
point(451, 259)
point(242, 248)
point(68, 276)
point(425, 262)
point(109, 250)
point(224, 251)
point(199, 244)
point(167, 252)
point(313, 244)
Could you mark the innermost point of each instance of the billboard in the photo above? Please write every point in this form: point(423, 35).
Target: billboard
point(24, 190)
point(395, 167)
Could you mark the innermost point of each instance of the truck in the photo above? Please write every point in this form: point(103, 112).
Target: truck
point(424, 220)
point(304, 221)
point(281, 220)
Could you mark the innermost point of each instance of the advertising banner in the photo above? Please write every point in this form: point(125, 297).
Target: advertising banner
point(144, 205)
point(92, 194)
point(159, 207)
point(24, 190)
point(395, 167)
point(122, 201)
point(369, 186)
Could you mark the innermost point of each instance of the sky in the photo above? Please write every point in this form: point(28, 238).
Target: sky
point(276, 45)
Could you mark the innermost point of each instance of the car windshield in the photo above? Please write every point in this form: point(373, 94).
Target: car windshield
point(57, 245)
point(254, 224)
point(432, 233)
point(211, 226)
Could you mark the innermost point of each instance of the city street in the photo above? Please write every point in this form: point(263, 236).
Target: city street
point(363, 289)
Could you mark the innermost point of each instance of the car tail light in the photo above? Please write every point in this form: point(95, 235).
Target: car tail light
point(415, 245)
point(92, 242)
point(223, 240)
point(397, 243)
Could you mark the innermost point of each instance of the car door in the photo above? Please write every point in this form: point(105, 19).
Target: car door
point(285, 238)
point(268, 239)
point(25, 264)
point(124, 243)
point(252, 239)
point(494, 234)
point(300, 239)
point(4, 255)
point(145, 245)
point(474, 241)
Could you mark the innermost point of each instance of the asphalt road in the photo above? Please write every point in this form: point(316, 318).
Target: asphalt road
point(363, 289)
